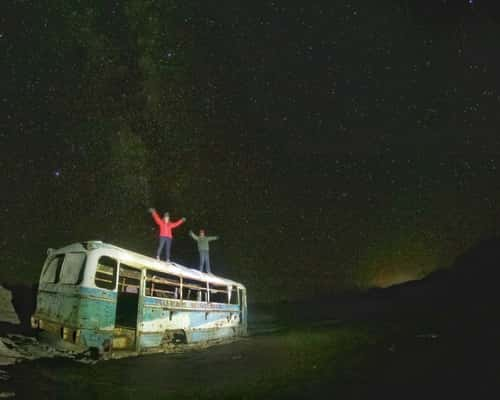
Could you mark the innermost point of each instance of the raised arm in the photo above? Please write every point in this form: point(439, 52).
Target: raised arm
point(177, 223)
point(193, 235)
point(155, 216)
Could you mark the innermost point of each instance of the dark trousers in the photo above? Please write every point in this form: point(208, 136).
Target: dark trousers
point(204, 260)
point(167, 243)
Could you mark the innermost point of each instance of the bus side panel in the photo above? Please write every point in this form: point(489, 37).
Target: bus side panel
point(159, 317)
point(98, 308)
point(212, 326)
point(197, 329)
point(97, 316)
point(203, 335)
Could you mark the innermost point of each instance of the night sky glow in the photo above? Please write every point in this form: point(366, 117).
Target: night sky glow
point(345, 143)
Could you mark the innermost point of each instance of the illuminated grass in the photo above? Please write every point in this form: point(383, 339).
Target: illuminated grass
point(295, 361)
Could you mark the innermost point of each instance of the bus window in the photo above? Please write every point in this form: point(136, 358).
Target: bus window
point(194, 290)
point(162, 285)
point(233, 299)
point(130, 279)
point(72, 268)
point(52, 270)
point(218, 294)
point(105, 274)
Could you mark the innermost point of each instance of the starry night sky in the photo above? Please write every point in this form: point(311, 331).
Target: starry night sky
point(334, 145)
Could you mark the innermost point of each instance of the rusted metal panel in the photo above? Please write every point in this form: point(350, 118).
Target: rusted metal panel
point(84, 308)
point(197, 326)
point(86, 314)
point(205, 335)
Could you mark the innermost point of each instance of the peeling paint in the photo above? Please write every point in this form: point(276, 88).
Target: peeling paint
point(86, 315)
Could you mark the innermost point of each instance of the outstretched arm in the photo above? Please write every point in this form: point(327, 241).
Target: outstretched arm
point(155, 215)
point(177, 223)
point(210, 238)
point(193, 235)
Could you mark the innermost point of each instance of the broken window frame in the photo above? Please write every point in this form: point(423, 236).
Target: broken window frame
point(218, 292)
point(129, 279)
point(162, 285)
point(72, 273)
point(113, 274)
point(53, 269)
point(234, 297)
point(194, 290)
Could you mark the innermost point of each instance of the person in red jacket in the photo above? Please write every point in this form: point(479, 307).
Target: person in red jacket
point(166, 227)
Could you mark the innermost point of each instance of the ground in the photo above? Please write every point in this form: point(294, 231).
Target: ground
point(381, 351)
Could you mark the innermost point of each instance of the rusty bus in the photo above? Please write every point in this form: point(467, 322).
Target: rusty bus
point(108, 299)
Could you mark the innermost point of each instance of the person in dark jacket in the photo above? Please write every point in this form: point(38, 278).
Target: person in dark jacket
point(165, 232)
point(204, 248)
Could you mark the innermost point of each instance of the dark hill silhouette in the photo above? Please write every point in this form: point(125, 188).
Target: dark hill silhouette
point(480, 263)
point(469, 288)
point(473, 277)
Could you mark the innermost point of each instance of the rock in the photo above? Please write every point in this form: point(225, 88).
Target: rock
point(7, 312)
point(7, 355)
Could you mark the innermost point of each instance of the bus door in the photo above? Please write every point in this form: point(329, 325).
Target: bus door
point(127, 305)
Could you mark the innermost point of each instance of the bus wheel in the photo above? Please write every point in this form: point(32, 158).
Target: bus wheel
point(179, 338)
point(174, 337)
point(94, 353)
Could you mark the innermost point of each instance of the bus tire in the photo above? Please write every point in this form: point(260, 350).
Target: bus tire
point(94, 353)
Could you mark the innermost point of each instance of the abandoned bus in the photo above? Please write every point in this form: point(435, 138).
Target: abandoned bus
point(107, 299)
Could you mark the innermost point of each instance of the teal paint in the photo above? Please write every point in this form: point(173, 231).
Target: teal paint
point(92, 311)
point(77, 307)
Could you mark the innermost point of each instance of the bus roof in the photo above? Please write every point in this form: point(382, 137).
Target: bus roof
point(144, 261)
